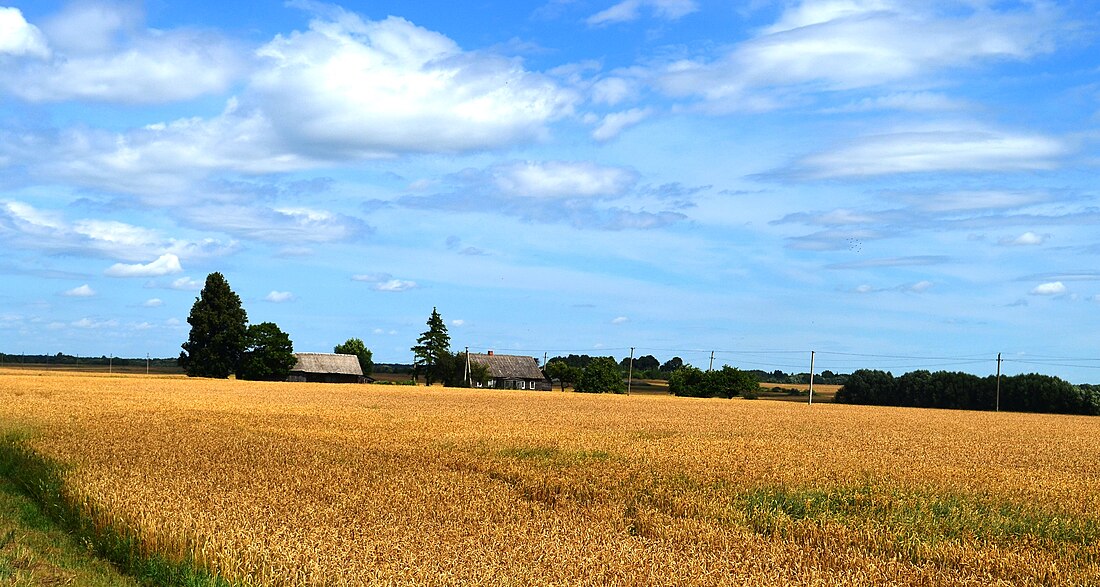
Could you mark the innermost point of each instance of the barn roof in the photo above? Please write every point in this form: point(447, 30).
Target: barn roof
point(327, 363)
point(509, 366)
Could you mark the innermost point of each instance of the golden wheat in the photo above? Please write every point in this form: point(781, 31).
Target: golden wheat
point(309, 484)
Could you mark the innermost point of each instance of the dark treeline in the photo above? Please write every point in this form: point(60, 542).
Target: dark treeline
point(649, 367)
point(963, 391)
point(104, 361)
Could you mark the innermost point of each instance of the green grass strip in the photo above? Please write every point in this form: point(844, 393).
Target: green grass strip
point(40, 479)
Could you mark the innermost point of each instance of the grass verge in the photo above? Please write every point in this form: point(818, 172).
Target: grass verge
point(41, 533)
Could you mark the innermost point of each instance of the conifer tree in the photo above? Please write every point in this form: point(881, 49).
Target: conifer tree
point(218, 330)
point(433, 350)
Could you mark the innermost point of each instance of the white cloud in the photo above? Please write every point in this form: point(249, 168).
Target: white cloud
point(1026, 239)
point(907, 101)
point(350, 87)
point(298, 225)
point(20, 38)
point(88, 323)
point(918, 287)
point(616, 122)
point(186, 284)
point(458, 322)
point(166, 264)
point(83, 291)
point(839, 45)
point(394, 285)
point(925, 150)
point(153, 303)
point(278, 297)
point(628, 10)
point(385, 282)
point(620, 320)
point(102, 53)
point(1049, 289)
point(613, 90)
point(562, 179)
point(27, 227)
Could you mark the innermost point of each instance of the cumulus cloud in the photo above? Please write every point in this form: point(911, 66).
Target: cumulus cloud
point(20, 38)
point(153, 303)
point(83, 291)
point(458, 322)
point(350, 87)
point(102, 53)
point(166, 264)
point(278, 297)
point(1049, 289)
point(628, 10)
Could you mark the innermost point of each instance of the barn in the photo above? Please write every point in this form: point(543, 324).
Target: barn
point(326, 368)
point(511, 371)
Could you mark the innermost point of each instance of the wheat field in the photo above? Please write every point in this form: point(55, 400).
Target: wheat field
point(310, 484)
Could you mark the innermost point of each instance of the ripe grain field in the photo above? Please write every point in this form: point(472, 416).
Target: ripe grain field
point(308, 484)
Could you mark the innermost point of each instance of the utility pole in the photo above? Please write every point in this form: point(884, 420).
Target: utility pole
point(711, 367)
point(998, 407)
point(466, 368)
point(630, 371)
point(811, 378)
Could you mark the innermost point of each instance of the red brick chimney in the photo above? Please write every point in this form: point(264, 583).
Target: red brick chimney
point(490, 353)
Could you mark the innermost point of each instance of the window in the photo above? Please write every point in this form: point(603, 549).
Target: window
point(523, 385)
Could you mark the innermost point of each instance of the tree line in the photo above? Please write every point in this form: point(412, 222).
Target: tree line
point(954, 390)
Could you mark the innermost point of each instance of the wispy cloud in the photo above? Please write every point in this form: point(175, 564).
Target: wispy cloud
point(166, 264)
point(385, 282)
point(628, 10)
point(914, 261)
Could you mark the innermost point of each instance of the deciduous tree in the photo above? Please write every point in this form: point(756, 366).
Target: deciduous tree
point(355, 346)
point(268, 355)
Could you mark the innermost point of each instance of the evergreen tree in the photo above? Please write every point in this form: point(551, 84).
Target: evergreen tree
point(354, 346)
point(433, 350)
point(218, 329)
point(268, 355)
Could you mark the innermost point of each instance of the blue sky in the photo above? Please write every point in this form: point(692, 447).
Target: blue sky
point(893, 184)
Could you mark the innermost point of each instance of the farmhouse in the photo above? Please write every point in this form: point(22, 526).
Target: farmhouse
point(511, 372)
point(326, 368)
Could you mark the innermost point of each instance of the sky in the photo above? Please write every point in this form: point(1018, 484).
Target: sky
point(890, 184)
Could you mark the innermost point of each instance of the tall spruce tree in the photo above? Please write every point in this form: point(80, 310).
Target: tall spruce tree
point(218, 331)
point(433, 350)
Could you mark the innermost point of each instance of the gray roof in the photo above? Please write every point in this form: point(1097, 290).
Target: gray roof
point(509, 366)
point(327, 363)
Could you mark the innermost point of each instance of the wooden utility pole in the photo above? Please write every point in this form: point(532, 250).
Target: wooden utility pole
point(811, 378)
point(998, 406)
point(711, 368)
point(630, 371)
